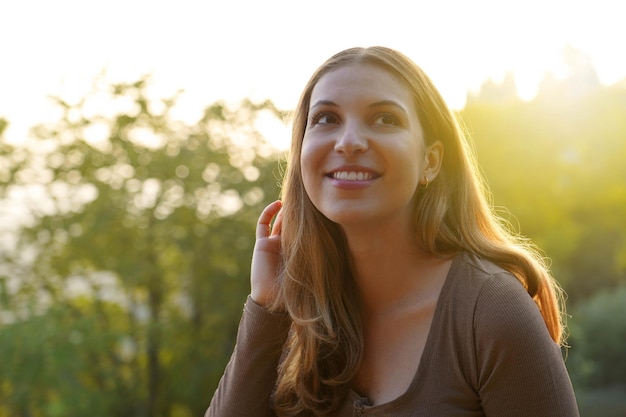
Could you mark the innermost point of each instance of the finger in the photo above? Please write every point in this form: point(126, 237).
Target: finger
point(263, 227)
point(277, 227)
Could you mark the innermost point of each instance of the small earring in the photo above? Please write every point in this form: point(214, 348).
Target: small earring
point(425, 185)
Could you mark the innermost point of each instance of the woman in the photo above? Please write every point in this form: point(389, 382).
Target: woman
point(386, 285)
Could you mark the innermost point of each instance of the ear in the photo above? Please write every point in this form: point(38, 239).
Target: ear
point(432, 163)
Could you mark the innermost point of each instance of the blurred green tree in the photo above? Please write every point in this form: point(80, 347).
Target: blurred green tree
point(596, 362)
point(122, 294)
point(598, 331)
point(555, 167)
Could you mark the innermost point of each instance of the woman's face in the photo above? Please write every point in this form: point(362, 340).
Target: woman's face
point(363, 152)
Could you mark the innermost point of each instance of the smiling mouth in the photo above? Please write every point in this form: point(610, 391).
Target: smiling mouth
point(351, 175)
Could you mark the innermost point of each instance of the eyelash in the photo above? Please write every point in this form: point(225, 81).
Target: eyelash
point(316, 119)
point(394, 120)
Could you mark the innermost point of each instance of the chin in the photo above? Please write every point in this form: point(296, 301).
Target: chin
point(347, 217)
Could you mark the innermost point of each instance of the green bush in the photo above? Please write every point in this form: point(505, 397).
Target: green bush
point(610, 402)
point(598, 331)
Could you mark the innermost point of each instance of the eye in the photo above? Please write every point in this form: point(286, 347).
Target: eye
point(324, 118)
point(386, 119)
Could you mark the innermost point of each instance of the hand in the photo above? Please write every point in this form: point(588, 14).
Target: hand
point(266, 258)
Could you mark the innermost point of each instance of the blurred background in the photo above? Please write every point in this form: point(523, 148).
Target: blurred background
point(140, 140)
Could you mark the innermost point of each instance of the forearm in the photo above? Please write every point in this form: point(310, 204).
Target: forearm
point(250, 375)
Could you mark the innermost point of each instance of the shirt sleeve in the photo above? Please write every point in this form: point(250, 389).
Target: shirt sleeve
point(250, 375)
point(521, 371)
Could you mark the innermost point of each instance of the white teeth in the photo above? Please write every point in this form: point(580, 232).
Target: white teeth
point(352, 176)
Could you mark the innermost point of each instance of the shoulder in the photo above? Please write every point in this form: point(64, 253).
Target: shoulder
point(495, 334)
point(477, 269)
point(494, 298)
point(485, 279)
point(476, 278)
point(504, 317)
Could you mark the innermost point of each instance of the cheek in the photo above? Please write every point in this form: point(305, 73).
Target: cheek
point(410, 165)
point(311, 155)
point(308, 164)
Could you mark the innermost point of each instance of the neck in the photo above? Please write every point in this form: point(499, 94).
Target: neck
point(390, 269)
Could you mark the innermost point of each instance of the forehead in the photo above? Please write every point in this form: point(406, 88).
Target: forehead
point(360, 81)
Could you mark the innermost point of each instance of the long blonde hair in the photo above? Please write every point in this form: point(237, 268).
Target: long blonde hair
point(453, 214)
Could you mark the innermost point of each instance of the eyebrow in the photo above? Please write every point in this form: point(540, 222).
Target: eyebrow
point(380, 103)
point(324, 103)
point(392, 103)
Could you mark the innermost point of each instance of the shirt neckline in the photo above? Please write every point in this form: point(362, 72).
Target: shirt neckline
point(422, 369)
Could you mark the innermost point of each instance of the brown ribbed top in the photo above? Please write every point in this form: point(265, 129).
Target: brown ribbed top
point(488, 353)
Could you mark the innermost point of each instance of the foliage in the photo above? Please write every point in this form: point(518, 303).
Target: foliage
point(126, 285)
point(67, 363)
point(596, 361)
point(556, 165)
point(602, 403)
point(598, 331)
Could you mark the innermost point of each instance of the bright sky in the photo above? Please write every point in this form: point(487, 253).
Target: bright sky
point(231, 49)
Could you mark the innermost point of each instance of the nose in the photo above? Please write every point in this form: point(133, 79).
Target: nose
point(351, 140)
